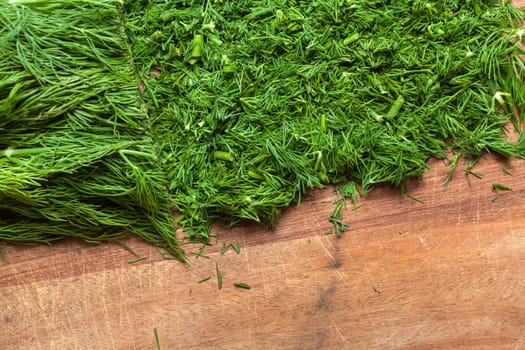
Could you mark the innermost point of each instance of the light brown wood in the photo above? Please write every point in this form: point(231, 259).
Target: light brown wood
point(445, 274)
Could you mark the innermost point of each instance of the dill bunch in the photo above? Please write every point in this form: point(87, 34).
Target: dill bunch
point(252, 103)
point(76, 157)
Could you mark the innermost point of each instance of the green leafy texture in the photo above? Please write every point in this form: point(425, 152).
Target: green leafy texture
point(75, 156)
point(252, 103)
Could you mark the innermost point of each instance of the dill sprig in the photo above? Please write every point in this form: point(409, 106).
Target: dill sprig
point(252, 103)
point(75, 153)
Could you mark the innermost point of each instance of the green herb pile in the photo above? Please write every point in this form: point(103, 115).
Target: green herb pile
point(252, 103)
point(241, 106)
point(75, 155)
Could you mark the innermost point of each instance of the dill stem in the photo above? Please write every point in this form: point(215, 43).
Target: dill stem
point(19, 152)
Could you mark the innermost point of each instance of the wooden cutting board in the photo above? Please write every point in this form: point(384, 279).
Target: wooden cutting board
point(448, 273)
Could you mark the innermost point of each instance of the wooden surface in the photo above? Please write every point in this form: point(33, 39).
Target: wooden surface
point(448, 273)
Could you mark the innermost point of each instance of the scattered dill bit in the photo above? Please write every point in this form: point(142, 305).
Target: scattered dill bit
point(242, 285)
point(328, 232)
point(357, 207)
point(136, 260)
point(339, 226)
point(157, 342)
point(163, 254)
point(473, 173)
point(452, 168)
point(200, 255)
point(350, 190)
point(494, 198)
point(415, 198)
point(235, 247)
point(204, 279)
point(506, 172)
point(201, 249)
point(219, 276)
point(500, 187)
point(128, 248)
point(337, 213)
point(217, 236)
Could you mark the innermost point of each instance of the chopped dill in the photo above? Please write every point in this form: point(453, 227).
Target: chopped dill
point(234, 245)
point(473, 173)
point(415, 198)
point(128, 248)
point(500, 187)
point(136, 260)
point(219, 276)
point(157, 341)
point(242, 108)
point(242, 285)
point(257, 102)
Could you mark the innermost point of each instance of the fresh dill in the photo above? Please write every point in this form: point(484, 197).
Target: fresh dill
point(255, 102)
point(242, 285)
point(500, 187)
point(128, 248)
point(243, 107)
point(219, 275)
point(234, 245)
point(157, 341)
point(204, 279)
point(75, 152)
point(136, 260)
point(415, 198)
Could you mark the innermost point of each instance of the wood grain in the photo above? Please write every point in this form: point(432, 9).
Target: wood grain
point(448, 273)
